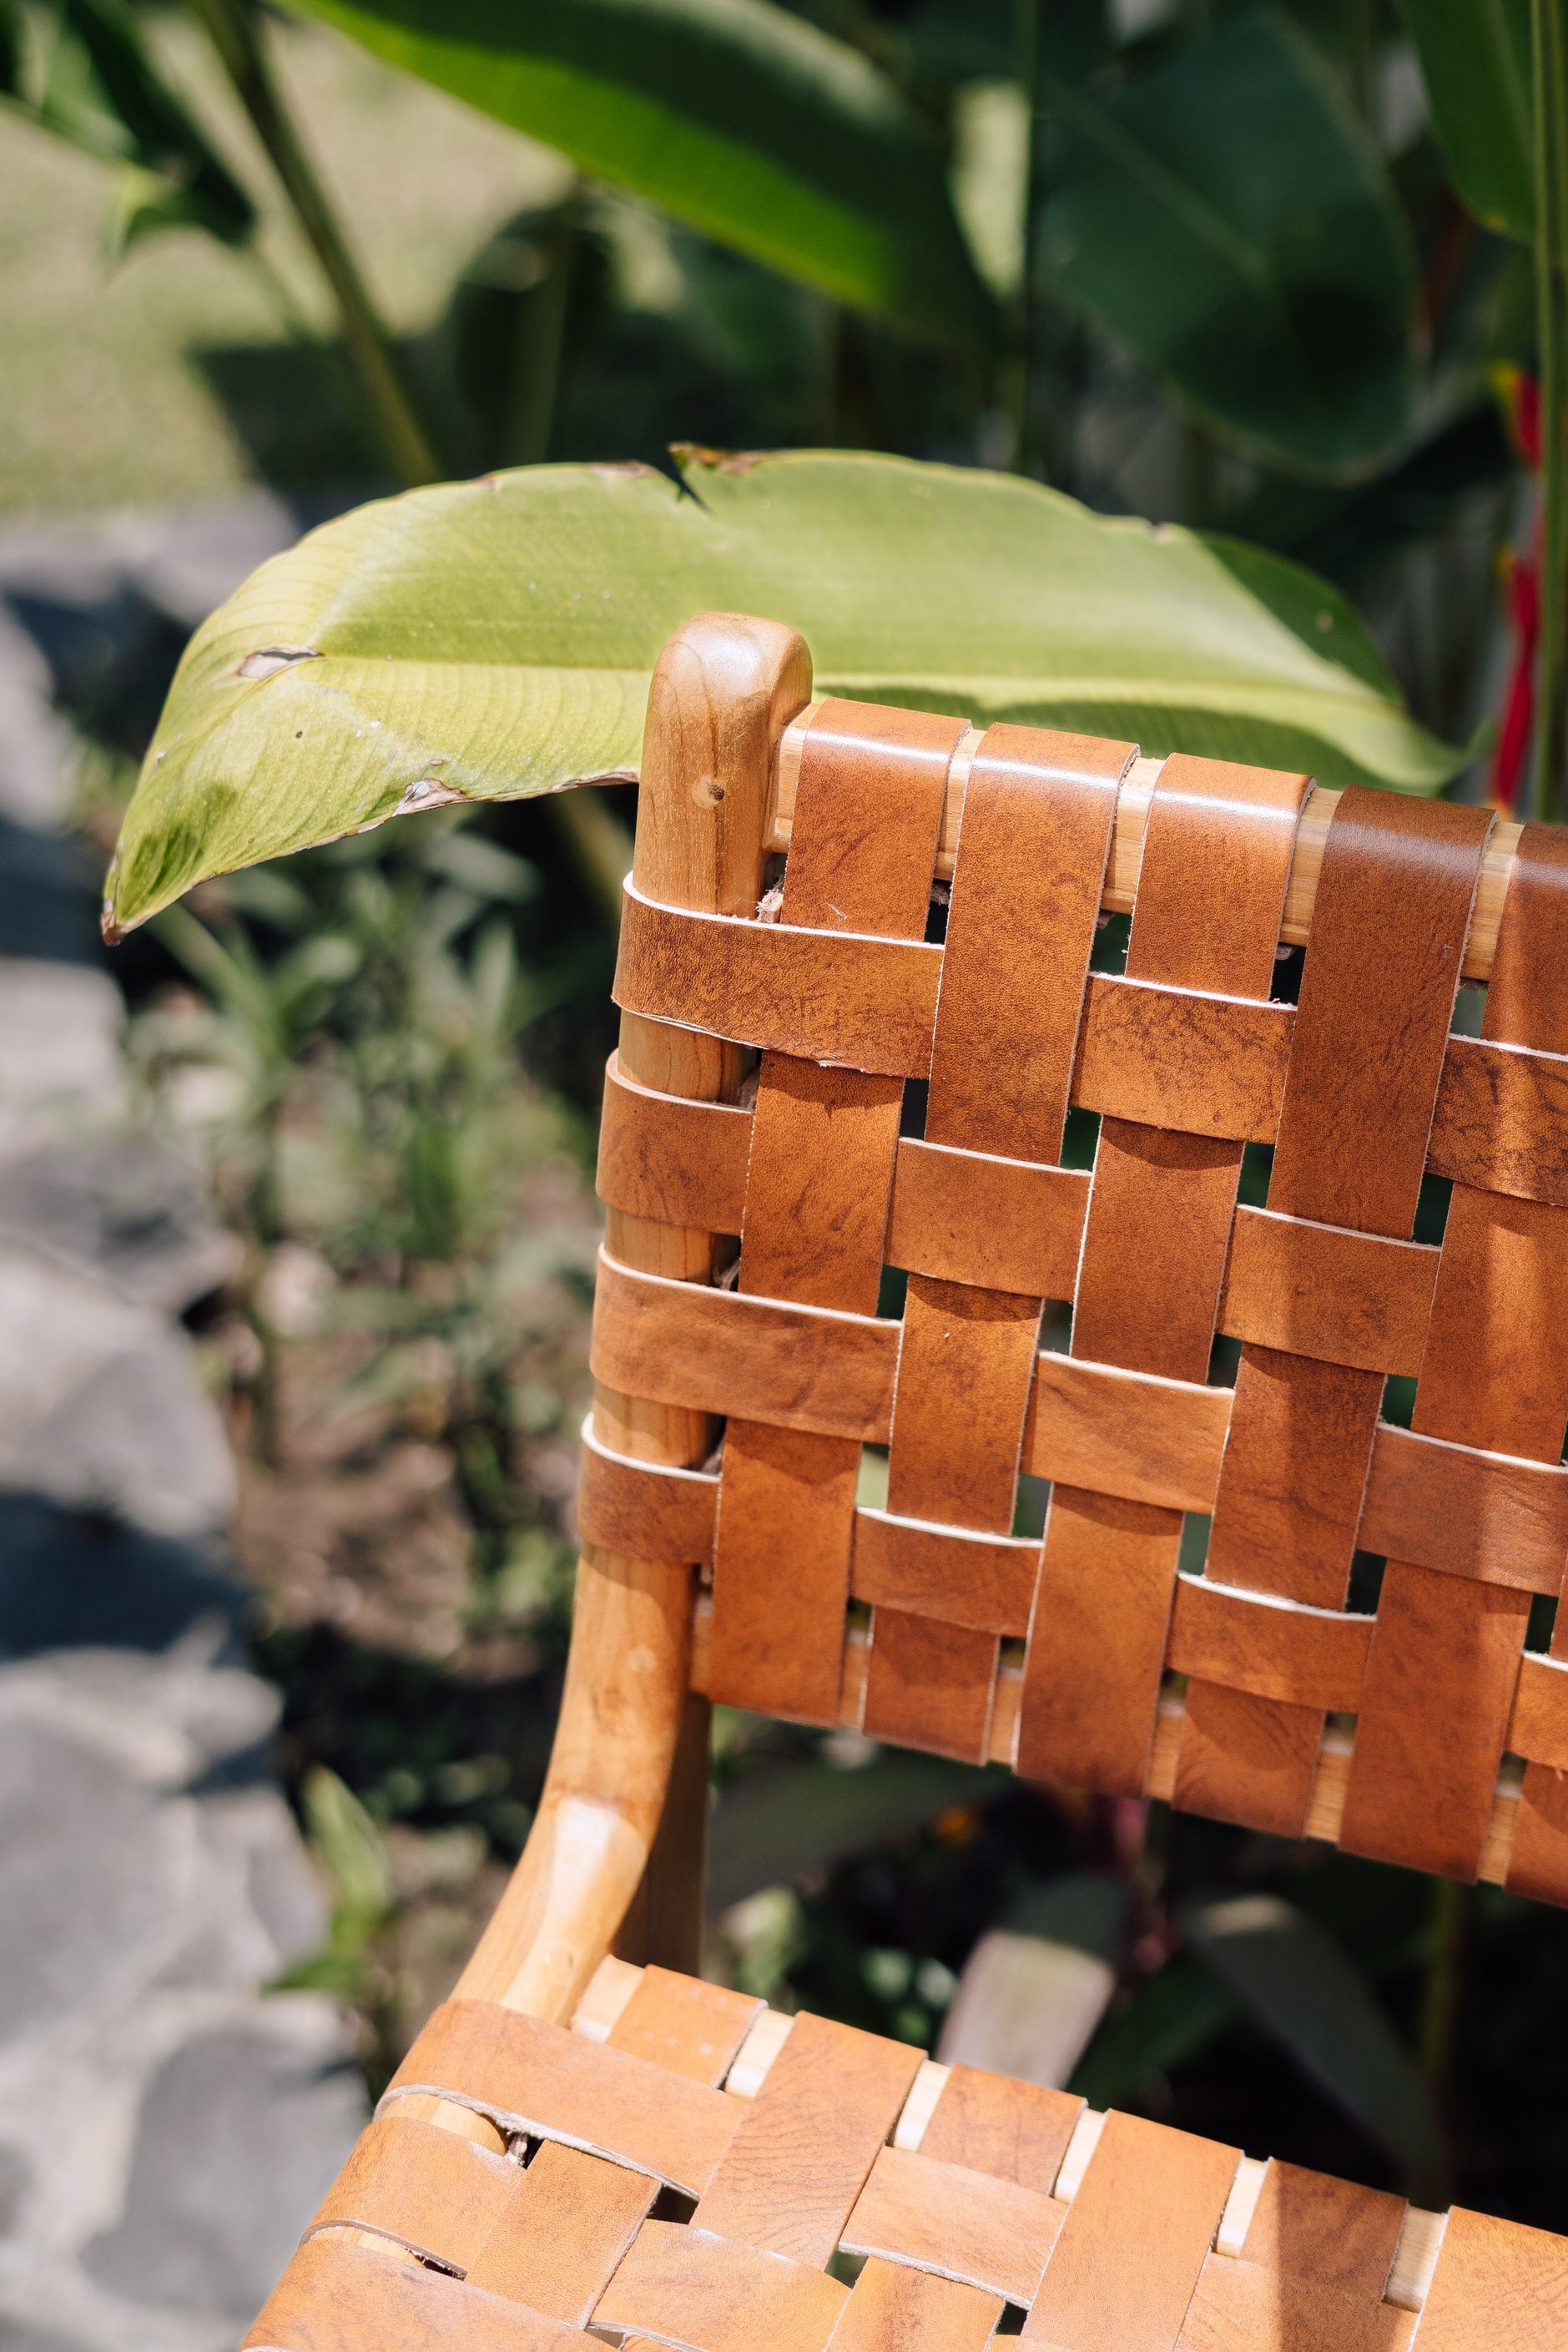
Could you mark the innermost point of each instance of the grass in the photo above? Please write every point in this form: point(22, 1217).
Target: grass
point(171, 376)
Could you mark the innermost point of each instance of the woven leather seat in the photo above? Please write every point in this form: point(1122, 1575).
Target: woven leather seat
point(965, 2191)
point(690, 2164)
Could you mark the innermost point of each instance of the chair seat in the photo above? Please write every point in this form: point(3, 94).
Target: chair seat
point(685, 2167)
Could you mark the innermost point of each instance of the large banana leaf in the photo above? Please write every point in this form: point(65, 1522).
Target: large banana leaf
point(759, 130)
point(1475, 57)
point(494, 639)
point(1227, 219)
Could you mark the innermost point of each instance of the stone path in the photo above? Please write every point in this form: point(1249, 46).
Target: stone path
point(166, 2124)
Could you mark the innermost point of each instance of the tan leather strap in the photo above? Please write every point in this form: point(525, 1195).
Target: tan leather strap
point(868, 809)
point(1217, 855)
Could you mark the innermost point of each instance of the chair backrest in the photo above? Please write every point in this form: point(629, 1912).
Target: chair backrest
point(908, 1111)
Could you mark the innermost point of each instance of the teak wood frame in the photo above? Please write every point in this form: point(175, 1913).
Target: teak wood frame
point(605, 1843)
point(616, 1854)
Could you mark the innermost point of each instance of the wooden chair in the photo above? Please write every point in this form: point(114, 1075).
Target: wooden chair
point(578, 2140)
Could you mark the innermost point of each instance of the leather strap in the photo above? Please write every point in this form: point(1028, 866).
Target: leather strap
point(1216, 856)
point(1394, 901)
point(1434, 1716)
point(868, 811)
point(1032, 844)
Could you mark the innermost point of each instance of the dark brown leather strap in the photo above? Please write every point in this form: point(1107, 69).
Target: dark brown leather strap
point(1393, 907)
point(1434, 1716)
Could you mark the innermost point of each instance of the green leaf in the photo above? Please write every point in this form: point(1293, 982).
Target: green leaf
point(1225, 217)
point(773, 1825)
point(91, 78)
point(1301, 1986)
point(1311, 608)
point(1475, 57)
point(757, 129)
point(493, 640)
point(1176, 2013)
point(351, 1851)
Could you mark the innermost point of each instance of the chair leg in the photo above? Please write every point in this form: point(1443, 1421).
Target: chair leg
point(723, 692)
point(664, 1923)
point(621, 1718)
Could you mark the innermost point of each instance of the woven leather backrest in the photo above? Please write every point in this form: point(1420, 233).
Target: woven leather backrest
point(1424, 1733)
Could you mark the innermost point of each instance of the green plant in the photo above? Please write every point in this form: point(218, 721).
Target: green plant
point(84, 68)
point(368, 1011)
point(350, 1853)
point(1315, 373)
point(755, 127)
point(269, 1014)
point(1216, 199)
point(87, 71)
point(1225, 215)
point(1497, 71)
point(493, 642)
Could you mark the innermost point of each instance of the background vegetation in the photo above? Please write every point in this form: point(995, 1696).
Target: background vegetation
point(1293, 277)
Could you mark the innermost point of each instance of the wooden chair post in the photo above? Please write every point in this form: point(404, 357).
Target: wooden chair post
point(725, 690)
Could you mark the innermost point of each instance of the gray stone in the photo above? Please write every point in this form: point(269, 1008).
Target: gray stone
point(165, 1720)
point(60, 1068)
point(99, 1405)
point(13, 2180)
point(284, 1890)
point(135, 1438)
point(85, 1879)
point(127, 1205)
point(151, 1879)
point(104, 1881)
point(194, 2120)
point(35, 747)
point(183, 559)
point(238, 2141)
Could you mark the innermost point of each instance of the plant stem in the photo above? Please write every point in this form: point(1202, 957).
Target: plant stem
point(1451, 1906)
point(534, 374)
point(600, 847)
point(1453, 1912)
point(1019, 388)
point(1549, 43)
point(407, 444)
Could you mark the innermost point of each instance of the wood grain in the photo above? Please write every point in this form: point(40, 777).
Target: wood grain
point(686, 2287)
point(335, 2297)
point(966, 2225)
point(799, 2160)
point(723, 690)
point(539, 2078)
